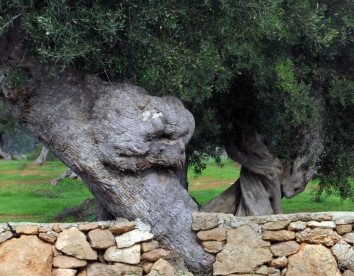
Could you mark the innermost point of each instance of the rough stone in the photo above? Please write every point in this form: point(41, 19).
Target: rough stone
point(73, 242)
point(284, 248)
point(63, 272)
point(278, 225)
point(133, 237)
point(27, 229)
point(344, 254)
point(347, 219)
point(129, 255)
point(217, 234)
point(155, 254)
point(322, 224)
point(26, 256)
point(348, 273)
point(213, 246)
point(349, 238)
point(297, 226)
point(56, 228)
point(5, 236)
point(82, 273)
point(280, 235)
point(45, 229)
point(263, 270)
point(344, 229)
point(98, 269)
point(242, 242)
point(101, 239)
point(204, 221)
point(312, 260)
point(162, 267)
point(316, 235)
point(68, 262)
point(88, 226)
point(147, 267)
point(148, 246)
point(273, 271)
point(50, 238)
point(279, 262)
point(122, 227)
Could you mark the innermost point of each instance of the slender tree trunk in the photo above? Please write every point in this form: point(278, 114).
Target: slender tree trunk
point(42, 158)
point(3, 155)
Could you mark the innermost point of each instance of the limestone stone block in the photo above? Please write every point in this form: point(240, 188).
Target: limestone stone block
point(204, 221)
point(130, 270)
point(148, 246)
point(280, 235)
point(82, 273)
point(101, 239)
point(133, 237)
point(98, 269)
point(316, 235)
point(297, 226)
point(122, 227)
point(349, 238)
point(348, 219)
point(56, 228)
point(279, 262)
point(147, 267)
point(68, 262)
point(130, 255)
point(322, 224)
point(277, 225)
point(88, 226)
point(73, 242)
point(216, 234)
point(27, 229)
point(26, 256)
point(155, 254)
point(63, 272)
point(5, 236)
point(312, 260)
point(284, 248)
point(45, 229)
point(162, 267)
point(50, 238)
point(348, 273)
point(273, 271)
point(344, 229)
point(344, 254)
point(241, 242)
point(213, 246)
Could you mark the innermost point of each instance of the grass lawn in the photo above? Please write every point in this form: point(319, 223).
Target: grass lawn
point(26, 193)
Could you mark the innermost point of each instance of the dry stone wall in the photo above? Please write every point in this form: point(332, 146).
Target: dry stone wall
point(306, 244)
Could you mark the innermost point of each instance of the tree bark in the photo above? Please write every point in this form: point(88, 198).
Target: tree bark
point(42, 158)
point(67, 174)
point(124, 144)
point(3, 155)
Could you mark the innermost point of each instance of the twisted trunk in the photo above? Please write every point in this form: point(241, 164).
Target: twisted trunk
point(42, 158)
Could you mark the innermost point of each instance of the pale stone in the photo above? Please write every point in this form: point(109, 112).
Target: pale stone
point(212, 246)
point(133, 237)
point(56, 252)
point(45, 229)
point(204, 221)
point(147, 267)
point(284, 248)
point(88, 226)
point(68, 262)
point(297, 226)
point(242, 242)
point(5, 236)
point(216, 234)
point(278, 225)
point(50, 238)
point(56, 228)
point(273, 271)
point(98, 269)
point(279, 262)
point(316, 235)
point(344, 229)
point(63, 272)
point(263, 270)
point(349, 238)
point(312, 260)
point(162, 267)
point(344, 254)
point(73, 242)
point(348, 273)
point(322, 224)
point(82, 273)
point(348, 219)
point(148, 246)
point(130, 255)
point(155, 254)
point(27, 229)
point(280, 235)
point(283, 272)
point(26, 256)
point(122, 227)
point(101, 239)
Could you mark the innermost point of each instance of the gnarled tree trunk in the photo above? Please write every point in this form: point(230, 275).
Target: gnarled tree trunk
point(3, 155)
point(42, 158)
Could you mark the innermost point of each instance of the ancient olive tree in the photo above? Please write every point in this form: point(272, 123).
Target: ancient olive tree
point(271, 81)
